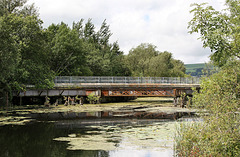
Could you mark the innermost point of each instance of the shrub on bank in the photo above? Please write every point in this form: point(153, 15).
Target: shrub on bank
point(93, 99)
point(219, 106)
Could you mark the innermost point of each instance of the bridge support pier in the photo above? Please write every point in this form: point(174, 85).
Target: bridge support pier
point(183, 102)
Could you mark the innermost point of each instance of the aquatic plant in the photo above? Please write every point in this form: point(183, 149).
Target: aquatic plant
point(93, 98)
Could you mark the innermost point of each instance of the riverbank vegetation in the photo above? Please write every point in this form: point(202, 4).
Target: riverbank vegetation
point(31, 54)
point(218, 99)
point(218, 105)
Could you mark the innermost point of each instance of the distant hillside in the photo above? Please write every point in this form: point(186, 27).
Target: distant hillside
point(194, 69)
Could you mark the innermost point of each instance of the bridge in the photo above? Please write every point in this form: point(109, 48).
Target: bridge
point(116, 87)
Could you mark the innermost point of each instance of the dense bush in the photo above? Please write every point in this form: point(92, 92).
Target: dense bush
point(219, 106)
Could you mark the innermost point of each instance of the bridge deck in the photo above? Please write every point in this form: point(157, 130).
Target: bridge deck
point(116, 86)
point(127, 80)
point(121, 85)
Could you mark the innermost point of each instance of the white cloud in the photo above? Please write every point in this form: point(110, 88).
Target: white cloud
point(132, 22)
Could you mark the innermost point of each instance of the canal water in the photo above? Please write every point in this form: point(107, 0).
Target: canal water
point(129, 130)
point(89, 138)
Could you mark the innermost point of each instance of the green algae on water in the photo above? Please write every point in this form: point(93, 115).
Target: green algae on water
point(156, 136)
point(13, 120)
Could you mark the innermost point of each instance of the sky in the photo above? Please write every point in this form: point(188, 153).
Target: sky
point(162, 23)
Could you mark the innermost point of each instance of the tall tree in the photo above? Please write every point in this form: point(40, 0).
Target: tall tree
point(139, 58)
point(103, 58)
point(9, 57)
point(161, 65)
point(118, 64)
point(146, 61)
point(66, 52)
point(96, 55)
point(81, 50)
point(178, 69)
point(23, 56)
point(31, 65)
point(218, 30)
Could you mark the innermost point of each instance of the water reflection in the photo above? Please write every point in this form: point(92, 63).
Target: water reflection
point(131, 138)
point(37, 140)
point(137, 113)
point(141, 153)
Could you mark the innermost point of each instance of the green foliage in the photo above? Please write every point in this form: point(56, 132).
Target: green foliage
point(139, 58)
point(81, 51)
point(219, 133)
point(93, 99)
point(186, 141)
point(103, 58)
point(218, 99)
point(218, 30)
point(32, 67)
point(66, 53)
point(178, 69)
point(145, 60)
point(11, 6)
point(22, 50)
point(9, 51)
point(18, 7)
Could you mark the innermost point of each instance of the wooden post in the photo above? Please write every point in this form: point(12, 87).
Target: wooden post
point(175, 101)
point(183, 103)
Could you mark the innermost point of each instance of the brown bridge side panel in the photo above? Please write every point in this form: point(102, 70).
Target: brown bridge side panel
point(140, 92)
point(158, 92)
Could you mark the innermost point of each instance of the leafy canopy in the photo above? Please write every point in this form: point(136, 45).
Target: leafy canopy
point(219, 31)
point(83, 51)
point(145, 60)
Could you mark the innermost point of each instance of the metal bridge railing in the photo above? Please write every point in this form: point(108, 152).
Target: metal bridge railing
point(108, 79)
